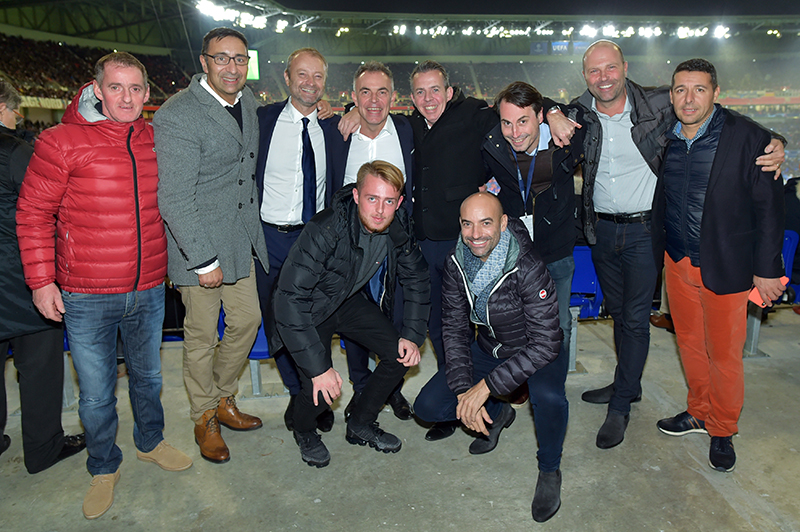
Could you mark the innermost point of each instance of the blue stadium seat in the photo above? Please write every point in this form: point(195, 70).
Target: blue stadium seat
point(260, 351)
point(586, 292)
point(790, 242)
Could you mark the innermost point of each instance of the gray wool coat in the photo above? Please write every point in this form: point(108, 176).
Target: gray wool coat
point(207, 191)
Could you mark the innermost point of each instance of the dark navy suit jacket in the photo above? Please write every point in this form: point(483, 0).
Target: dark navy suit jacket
point(267, 118)
point(338, 150)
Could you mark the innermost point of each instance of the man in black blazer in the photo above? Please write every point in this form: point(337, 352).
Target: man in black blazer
point(720, 219)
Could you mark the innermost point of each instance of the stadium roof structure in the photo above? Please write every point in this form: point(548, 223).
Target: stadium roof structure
point(349, 28)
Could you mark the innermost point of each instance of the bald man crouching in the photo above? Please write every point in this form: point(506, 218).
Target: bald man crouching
point(494, 279)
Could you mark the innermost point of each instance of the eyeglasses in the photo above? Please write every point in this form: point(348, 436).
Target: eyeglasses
point(222, 59)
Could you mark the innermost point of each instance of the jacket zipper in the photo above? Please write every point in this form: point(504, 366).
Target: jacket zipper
point(494, 289)
point(138, 216)
point(489, 321)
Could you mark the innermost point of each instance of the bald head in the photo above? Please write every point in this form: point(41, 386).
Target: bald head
point(605, 70)
point(603, 44)
point(482, 221)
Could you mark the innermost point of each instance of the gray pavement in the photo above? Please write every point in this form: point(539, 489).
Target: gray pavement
point(649, 482)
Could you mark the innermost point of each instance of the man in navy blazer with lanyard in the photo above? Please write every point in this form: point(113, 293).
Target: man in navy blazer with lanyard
point(292, 188)
point(387, 140)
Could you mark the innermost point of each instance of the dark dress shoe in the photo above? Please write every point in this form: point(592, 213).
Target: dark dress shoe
point(400, 406)
point(72, 446)
point(5, 443)
point(351, 405)
point(612, 432)
point(440, 431)
point(288, 416)
point(484, 444)
point(325, 420)
point(547, 498)
point(603, 395)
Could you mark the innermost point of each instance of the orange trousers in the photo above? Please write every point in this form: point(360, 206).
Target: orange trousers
point(711, 330)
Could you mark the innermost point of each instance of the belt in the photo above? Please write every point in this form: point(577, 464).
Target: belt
point(285, 228)
point(635, 217)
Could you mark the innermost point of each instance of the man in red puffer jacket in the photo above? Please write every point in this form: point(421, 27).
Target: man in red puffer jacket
point(94, 253)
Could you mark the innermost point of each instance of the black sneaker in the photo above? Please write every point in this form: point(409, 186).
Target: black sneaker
point(312, 450)
point(721, 455)
point(374, 436)
point(681, 425)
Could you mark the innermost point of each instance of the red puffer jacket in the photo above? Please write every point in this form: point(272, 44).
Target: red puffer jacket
point(93, 183)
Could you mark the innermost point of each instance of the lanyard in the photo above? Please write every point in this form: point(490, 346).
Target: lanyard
point(525, 190)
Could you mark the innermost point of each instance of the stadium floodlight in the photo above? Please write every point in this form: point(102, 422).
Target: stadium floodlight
point(648, 32)
point(239, 18)
point(342, 30)
point(217, 12)
point(721, 32)
point(567, 32)
point(281, 25)
point(628, 32)
point(776, 33)
point(610, 31)
point(467, 31)
point(402, 29)
point(418, 30)
point(588, 31)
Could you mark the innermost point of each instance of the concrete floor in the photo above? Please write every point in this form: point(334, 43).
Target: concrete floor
point(649, 482)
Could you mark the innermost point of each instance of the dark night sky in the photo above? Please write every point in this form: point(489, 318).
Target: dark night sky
point(569, 7)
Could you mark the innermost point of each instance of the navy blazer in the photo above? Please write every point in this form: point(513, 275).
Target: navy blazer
point(338, 150)
point(741, 233)
point(267, 118)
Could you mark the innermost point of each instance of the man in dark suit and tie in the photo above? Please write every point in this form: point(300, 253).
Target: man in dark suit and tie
point(293, 183)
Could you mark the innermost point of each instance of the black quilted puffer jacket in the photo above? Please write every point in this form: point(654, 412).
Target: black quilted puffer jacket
point(522, 315)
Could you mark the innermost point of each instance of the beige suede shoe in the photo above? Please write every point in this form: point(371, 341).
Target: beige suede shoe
point(100, 496)
point(167, 457)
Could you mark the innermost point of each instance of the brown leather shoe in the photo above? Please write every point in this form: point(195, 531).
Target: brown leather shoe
point(662, 321)
point(207, 436)
point(230, 416)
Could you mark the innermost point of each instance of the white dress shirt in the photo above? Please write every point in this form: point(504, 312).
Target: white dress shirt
point(385, 146)
point(283, 174)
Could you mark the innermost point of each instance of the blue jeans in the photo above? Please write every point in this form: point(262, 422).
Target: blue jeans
point(92, 322)
point(623, 258)
point(437, 403)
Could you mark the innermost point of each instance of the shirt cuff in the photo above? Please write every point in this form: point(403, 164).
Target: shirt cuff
point(207, 269)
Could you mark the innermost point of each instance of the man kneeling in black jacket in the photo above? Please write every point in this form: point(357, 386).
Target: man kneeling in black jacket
point(339, 277)
point(495, 279)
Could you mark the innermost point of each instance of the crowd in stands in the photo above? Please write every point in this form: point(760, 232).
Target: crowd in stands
point(57, 70)
point(50, 69)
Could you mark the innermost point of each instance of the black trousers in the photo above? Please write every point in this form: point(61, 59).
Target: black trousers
point(39, 359)
point(358, 357)
point(362, 321)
